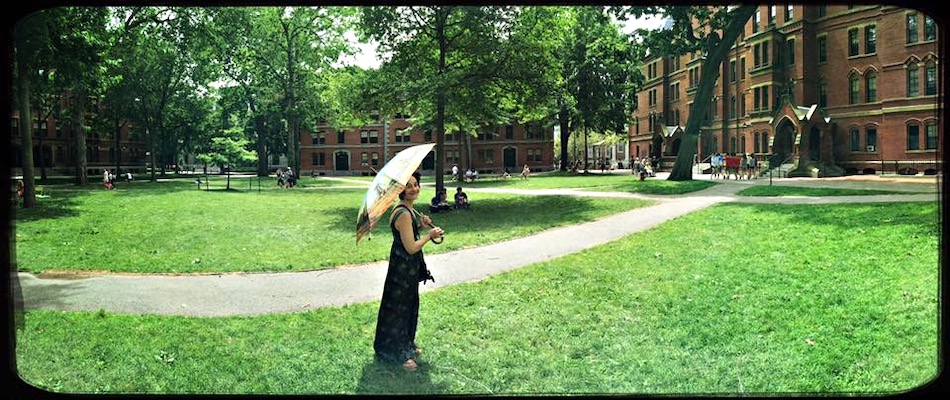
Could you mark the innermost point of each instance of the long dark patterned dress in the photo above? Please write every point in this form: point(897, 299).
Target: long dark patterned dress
point(399, 308)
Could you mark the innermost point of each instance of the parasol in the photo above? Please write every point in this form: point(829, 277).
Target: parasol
point(389, 182)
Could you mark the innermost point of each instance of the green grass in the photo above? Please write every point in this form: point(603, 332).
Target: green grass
point(809, 191)
point(733, 299)
point(596, 182)
point(171, 227)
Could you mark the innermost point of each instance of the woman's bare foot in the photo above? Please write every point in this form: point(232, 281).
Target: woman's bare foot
point(418, 351)
point(410, 365)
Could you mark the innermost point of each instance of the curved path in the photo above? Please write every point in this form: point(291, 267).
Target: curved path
point(253, 294)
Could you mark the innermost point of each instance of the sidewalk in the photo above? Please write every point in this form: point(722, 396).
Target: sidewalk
point(254, 294)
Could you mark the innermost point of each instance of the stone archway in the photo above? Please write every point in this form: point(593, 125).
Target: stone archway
point(814, 144)
point(784, 140)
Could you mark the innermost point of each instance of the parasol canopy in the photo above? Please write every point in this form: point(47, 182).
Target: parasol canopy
point(389, 182)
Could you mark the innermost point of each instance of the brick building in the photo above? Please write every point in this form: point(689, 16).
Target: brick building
point(359, 151)
point(852, 86)
point(54, 149)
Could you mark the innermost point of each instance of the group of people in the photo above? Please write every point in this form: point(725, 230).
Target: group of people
point(440, 201)
point(109, 179)
point(642, 168)
point(743, 166)
point(286, 178)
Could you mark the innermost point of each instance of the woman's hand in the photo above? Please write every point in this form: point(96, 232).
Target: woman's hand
point(435, 233)
point(426, 221)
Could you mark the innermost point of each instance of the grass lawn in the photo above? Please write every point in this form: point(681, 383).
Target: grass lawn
point(733, 299)
point(810, 191)
point(596, 182)
point(172, 227)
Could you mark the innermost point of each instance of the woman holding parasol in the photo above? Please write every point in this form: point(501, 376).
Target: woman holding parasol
point(399, 308)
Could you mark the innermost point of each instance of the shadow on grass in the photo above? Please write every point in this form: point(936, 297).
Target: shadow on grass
point(59, 204)
point(494, 213)
point(383, 378)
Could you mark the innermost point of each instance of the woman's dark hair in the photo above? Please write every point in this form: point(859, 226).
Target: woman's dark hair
point(418, 176)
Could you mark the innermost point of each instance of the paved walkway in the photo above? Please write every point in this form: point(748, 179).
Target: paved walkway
point(253, 294)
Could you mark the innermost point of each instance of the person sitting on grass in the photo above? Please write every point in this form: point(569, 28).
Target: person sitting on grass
point(461, 199)
point(439, 202)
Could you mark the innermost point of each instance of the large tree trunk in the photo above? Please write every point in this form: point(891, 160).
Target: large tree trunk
point(261, 148)
point(440, 104)
point(79, 135)
point(716, 52)
point(26, 137)
point(562, 118)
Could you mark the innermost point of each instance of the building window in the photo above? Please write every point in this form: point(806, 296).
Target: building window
point(870, 39)
point(913, 84)
point(364, 159)
point(772, 15)
point(733, 145)
point(427, 136)
point(509, 132)
point(321, 138)
point(853, 44)
point(913, 137)
point(402, 136)
point(931, 143)
point(742, 144)
point(340, 136)
point(374, 136)
point(364, 137)
point(870, 138)
point(674, 91)
point(486, 156)
point(930, 30)
point(823, 94)
point(319, 159)
point(449, 137)
point(755, 142)
point(742, 104)
point(912, 28)
point(765, 53)
point(822, 11)
point(871, 85)
point(765, 97)
point(14, 127)
point(742, 68)
point(791, 51)
point(823, 49)
point(756, 98)
point(853, 89)
point(765, 142)
point(855, 140)
point(789, 13)
point(732, 107)
point(756, 21)
point(733, 73)
point(930, 75)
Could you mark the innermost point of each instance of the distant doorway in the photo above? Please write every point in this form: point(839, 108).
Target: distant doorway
point(342, 161)
point(510, 159)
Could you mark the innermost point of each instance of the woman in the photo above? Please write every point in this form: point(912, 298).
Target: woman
point(399, 308)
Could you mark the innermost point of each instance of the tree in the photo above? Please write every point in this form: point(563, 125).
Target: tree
point(228, 149)
point(293, 46)
point(446, 54)
point(694, 28)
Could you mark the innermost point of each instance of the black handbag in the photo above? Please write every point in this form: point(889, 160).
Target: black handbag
point(424, 273)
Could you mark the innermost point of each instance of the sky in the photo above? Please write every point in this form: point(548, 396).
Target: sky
point(366, 56)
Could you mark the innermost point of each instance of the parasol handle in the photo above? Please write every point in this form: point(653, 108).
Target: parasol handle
point(437, 240)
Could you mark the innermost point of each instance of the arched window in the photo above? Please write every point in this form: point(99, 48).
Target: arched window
point(870, 81)
point(913, 80)
point(853, 89)
point(930, 75)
